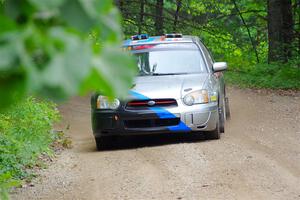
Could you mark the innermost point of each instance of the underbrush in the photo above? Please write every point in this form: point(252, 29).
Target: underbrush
point(25, 134)
point(270, 76)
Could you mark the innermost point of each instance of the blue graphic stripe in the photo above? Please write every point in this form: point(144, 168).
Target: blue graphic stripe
point(133, 42)
point(180, 127)
point(162, 114)
point(144, 41)
point(138, 95)
point(126, 42)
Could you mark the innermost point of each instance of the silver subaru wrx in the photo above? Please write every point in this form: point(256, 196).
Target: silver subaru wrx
point(179, 89)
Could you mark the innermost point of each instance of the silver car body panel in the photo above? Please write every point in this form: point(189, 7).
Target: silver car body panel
point(198, 117)
point(201, 117)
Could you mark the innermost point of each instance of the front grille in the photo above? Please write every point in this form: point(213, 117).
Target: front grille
point(148, 123)
point(140, 104)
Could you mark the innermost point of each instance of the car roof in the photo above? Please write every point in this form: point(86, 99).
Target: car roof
point(160, 40)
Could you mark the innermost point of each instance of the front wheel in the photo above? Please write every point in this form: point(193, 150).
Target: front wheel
point(222, 116)
point(215, 134)
point(227, 108)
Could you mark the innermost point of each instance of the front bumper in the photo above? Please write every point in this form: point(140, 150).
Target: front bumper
point(157, 120)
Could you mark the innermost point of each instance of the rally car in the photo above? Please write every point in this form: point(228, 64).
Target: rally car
point(179, 88)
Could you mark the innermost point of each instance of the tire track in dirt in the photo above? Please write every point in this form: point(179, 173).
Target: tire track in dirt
point(257, 158)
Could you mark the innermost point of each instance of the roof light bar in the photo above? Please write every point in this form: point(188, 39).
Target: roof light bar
point(140, 37)
point(144, 36)
point(173, 35)
point(135, 37)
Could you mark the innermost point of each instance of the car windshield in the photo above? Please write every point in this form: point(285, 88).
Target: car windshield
point(170, 62)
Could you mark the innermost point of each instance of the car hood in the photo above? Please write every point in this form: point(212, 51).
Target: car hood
point(169, 86)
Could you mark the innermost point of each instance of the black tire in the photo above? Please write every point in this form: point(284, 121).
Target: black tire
point(227, 109)
point(215, 134)
point(222, 117)
point(103, 143)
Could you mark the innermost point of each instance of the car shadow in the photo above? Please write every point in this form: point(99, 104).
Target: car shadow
point(135, 142)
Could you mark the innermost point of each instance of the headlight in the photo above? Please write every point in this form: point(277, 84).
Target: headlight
point(104, 103)
point(199, 97)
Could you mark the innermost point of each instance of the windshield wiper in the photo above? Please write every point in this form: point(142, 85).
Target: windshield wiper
point(166, 74)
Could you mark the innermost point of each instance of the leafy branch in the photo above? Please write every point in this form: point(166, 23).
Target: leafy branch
point(60, 48)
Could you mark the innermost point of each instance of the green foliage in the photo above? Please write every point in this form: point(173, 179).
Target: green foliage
point(25, 133)
point(218, 23)
point(6, 182)
point(272, 76)
point(49, 48)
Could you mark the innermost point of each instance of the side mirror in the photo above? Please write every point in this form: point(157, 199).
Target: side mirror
point(219, 66)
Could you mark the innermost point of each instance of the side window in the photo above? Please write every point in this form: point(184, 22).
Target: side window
point(207, 55)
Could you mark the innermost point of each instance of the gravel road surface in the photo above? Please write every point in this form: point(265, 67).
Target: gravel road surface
point(257, 158)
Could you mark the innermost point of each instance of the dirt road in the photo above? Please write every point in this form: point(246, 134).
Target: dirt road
point(257, 158)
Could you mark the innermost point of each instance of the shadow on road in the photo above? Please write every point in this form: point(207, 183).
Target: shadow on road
point(134, 142)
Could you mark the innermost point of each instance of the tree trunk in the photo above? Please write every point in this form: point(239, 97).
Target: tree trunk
point(287, 26)
point(176, 16)
point(280, 30)
point(142, 11)
point(298, 26)
point(159, 24)
point(120, 5)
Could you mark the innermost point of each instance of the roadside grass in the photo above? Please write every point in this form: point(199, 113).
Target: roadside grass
point(25, 134)
point(269, 76)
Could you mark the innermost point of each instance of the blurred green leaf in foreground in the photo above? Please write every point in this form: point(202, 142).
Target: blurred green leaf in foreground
point(60, 48)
